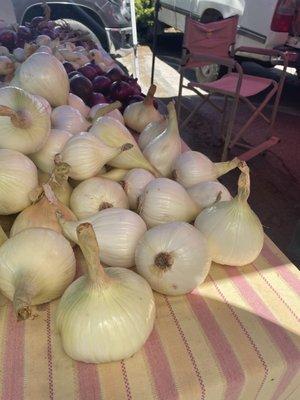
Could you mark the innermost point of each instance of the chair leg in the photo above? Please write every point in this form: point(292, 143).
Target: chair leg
point(224, 116)
point(179, 95)
point(253, 116)
point(229, 129)
point(192, 113)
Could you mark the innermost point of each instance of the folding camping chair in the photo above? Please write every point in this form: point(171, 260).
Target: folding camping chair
point(213, 43)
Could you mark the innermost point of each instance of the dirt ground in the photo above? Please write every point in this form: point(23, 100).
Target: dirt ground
point(275, 176)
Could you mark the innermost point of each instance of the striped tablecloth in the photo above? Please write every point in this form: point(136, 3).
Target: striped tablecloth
point(235, 337)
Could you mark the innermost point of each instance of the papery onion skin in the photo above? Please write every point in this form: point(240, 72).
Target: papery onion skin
point(96, 194)
point(37, 265)
point(18, 177)
point(118, 232)
point(233, 231)
point(173, 257)
point(106, 315)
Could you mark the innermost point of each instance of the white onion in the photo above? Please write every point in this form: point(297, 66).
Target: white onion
point(164, 200)
point(77, 103)
point(67, 118)
point(118, 232)
point(173, 258)
point(44, 158)
point(18, 177)
point(205, 194)
point(113, 114)
point(234, 232)
point(96, 194)
point(44, 75)
point(134, 182)
point(151, 131)
point(192, 167)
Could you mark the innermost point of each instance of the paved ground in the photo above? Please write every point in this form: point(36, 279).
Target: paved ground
point(275, 186)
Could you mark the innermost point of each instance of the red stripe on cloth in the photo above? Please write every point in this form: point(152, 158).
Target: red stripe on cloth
point(281, 269)
point(88, 381)
point(49, 353)
point(188, 349)
point(278, 334)
point(276, 293)
point(160, 368)
point(13, 364)
point(247, 334)
point(126, 381)
point(228, 361)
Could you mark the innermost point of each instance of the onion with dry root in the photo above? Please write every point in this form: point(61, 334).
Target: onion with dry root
point(107, 314)
point(96, 194)
point(173, 257)
point(24, 121)
point(138, 115)
point(37, 265)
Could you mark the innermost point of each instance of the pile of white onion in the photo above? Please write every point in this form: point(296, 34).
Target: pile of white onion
point(76, 175)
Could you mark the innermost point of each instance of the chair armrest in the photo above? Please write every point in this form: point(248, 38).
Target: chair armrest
point(231, 63)
point(266, 52)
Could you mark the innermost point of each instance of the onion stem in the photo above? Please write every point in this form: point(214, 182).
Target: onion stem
point(148, 100)
point(224, 167)
point(18, 118)
point(22, 299)
point(244, 182)
point(105, 110)
point(88, 244)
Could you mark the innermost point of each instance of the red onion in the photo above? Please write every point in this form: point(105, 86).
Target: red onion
point(96, 67)
point(120, 90)
point(101, 84)
point(134, 99)
point(73, 73)
point(81, 86)
point(24, 32)
point(115, 74)
point(8, 39)
point(68, 67)
point(96, 98)
point(88, 71)
point(133, 83)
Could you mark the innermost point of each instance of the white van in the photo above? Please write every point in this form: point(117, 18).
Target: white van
point(262, 23)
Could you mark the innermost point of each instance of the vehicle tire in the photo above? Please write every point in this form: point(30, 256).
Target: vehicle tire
point(211, 72)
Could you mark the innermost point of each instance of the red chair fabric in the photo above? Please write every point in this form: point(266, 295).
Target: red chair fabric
point(214, 38)
point(251, 85)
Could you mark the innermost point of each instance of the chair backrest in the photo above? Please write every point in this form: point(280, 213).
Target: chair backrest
point(213, 38)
